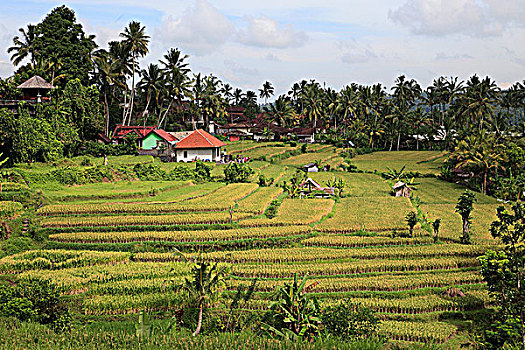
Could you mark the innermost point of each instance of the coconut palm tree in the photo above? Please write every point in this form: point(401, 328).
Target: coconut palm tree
point(226, 91)
point(204, 287)
point(479, 100)
point(136, 41)
point(250, 97)
point(108, 74)
point(153, 85)
point(238, 95)
point(480, 152)
point(178, 82)
point(405, 94)
point(24, 46)
point(266, 91)
point(281, 110)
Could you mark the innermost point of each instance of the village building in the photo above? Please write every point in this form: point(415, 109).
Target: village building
point(121, 132)
point(35, 89)
point(198, 145)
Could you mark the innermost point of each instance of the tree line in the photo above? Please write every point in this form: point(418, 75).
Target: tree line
point(475, 119)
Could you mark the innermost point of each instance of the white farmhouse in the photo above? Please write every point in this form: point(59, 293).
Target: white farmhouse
point(198, 145)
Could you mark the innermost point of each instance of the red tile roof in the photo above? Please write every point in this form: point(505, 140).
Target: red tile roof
point(200, 139)
point(122, 131)
point(164, 135)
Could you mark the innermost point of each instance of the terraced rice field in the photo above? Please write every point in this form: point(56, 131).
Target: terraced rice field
point(117, 258)
point(425, 162)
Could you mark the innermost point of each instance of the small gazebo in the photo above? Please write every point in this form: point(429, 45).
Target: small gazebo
point(35, 88)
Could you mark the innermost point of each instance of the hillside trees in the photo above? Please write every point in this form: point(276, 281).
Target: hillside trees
point(504, 272)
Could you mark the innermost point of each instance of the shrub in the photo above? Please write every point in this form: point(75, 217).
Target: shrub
point(181, 172)
point(202, 171)
point(303, 148)
point(236, 172)
point(349, 320)
point(150, 172)
point(271, 211)
point(35, 300)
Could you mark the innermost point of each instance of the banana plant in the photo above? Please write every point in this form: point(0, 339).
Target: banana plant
point(292, 314)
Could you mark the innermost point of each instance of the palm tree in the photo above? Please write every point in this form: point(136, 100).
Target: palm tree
point(481, 152)
point(177, 78)
point(237, 96)
point(205, 286)
point(313, 103)
point(405, 95)
point(24, 46)
point(226, 91)
point(281, 110)
point(266, 91)
point(137, 42)
point(479, 100)
point(251, 97)
point(107, 75)
point(120, 55)
point(153, 85)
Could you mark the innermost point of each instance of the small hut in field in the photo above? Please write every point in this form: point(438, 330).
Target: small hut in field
point(401, 189)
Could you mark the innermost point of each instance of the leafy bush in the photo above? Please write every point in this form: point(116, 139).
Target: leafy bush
point(202, 171)
point(181, 172)
point(35, 300)
point(303, 147)
point(271, 211)
point(265, 181)
point(292, 314)
point(69, 176)
point(150, 172)
point(349, 320)
point(236, 172)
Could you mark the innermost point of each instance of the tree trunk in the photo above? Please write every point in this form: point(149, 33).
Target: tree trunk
point(107, 112)
point(199, 324)
point(398, 140)
point(465, 230)
point(485, 182)
point(132, 99)
point(124, 109)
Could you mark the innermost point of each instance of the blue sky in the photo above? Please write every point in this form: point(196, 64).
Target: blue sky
point(334, 41)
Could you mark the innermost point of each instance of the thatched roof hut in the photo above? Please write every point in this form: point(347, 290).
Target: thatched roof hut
point(35, 87)
point(401, 189)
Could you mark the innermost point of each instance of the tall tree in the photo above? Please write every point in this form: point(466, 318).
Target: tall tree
point(136, 41)
point(24, 46)
point(60, 36)
point(266, 91)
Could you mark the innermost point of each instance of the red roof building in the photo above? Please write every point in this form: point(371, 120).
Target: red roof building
point(199, 139)
point(140, 132)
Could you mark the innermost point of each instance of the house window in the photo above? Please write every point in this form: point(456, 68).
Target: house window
point(185, 154)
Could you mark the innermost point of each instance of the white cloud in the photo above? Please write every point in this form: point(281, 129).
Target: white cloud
point(445, 56)
point(265, 32)
point(200, 30)
point(272, 57)
point(480, 18)
point(355, 52)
